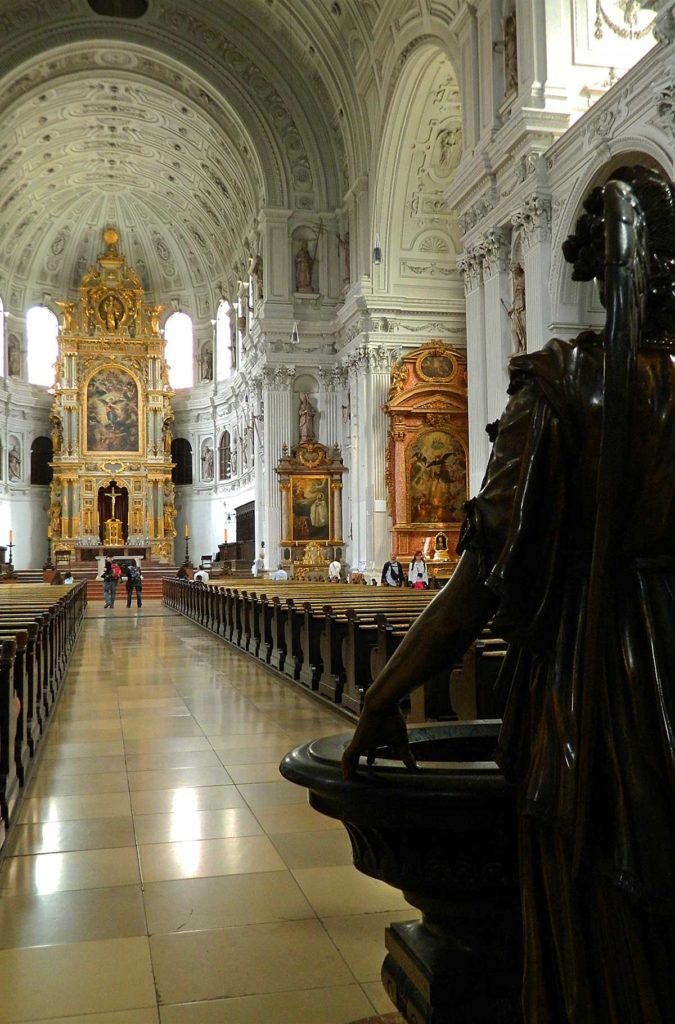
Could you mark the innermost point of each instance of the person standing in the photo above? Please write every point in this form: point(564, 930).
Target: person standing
point(134, 582)
point(418, 576)
point(335, 571)
point(392, 572)
point(109, 584)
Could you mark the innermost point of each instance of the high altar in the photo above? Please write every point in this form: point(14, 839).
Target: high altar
point(111, 420)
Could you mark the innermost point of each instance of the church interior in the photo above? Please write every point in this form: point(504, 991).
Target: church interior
point(262, 270)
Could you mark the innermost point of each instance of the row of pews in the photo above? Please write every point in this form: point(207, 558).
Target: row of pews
point(335, 639)
point(38, 627)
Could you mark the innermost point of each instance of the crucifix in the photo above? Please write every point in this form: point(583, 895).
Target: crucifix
point(113, 495)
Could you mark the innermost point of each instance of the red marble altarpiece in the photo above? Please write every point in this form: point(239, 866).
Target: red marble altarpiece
point(427, 451)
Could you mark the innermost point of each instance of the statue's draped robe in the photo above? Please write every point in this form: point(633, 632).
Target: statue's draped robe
point(600, 943)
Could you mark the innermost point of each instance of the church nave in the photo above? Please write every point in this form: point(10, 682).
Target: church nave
point(162, 870)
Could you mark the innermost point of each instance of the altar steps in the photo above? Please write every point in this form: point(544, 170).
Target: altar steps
point(29, 576)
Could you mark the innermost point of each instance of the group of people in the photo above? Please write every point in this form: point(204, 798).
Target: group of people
point(418, 574)
point(111, 576)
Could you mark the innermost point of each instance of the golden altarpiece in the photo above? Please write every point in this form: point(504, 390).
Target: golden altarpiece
point(310, 484)
point(427, 454)
point(111, 421)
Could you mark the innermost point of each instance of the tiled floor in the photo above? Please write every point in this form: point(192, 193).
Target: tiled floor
point(162, 871)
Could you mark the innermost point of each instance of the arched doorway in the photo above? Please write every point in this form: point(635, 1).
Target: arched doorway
point(41, 455)
point(113, 503)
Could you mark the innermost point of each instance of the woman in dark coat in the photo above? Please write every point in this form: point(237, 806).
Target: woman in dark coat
point(570, 547)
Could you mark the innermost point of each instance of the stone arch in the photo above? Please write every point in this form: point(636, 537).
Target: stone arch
point(420, 150)
point(41, 455)
point(577, 301)
point(181, 455)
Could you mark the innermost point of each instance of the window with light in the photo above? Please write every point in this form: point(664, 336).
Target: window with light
point(42, 330)
point(179, 352)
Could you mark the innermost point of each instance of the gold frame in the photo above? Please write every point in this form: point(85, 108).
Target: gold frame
point(84, 419)
point(306, 479)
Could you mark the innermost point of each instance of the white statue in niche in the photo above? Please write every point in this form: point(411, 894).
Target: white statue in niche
point(448, 150)
point(207, 461)
point(14, 460)
point(306, 414)
point(207, 362)
point(304, 266)
point(517, 311)
point(510, 54)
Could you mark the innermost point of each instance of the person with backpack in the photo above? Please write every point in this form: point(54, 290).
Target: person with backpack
point(110, 576)
point(134, 582)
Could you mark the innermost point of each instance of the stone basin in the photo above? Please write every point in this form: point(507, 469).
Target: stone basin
point(444, 835)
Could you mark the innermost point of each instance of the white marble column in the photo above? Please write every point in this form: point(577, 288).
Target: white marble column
point(331, 385)
point(277, 431)
point(369, 370)
point(534, 219)
point(360, 241)
point(470, 265)
point(497, 300)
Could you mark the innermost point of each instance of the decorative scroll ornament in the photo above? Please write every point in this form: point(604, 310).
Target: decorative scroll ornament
point(665, 106)
point(470, 265)
point(534, 217)
point(630, 29)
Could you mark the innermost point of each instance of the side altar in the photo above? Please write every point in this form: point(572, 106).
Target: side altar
point(111, 419)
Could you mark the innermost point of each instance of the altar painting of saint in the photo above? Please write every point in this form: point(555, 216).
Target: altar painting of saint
point(310, 516)
point(112, 412)
point(437, 474)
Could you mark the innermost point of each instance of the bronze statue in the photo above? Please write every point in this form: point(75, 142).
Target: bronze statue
point(570, 548)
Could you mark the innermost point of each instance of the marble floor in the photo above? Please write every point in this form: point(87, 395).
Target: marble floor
point(162, 871)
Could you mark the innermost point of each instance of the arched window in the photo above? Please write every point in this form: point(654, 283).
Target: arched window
point(181, 454)
point(42, 329)
point(224, 354)
point(179, 351)
point(41, 454)
point(225, 456)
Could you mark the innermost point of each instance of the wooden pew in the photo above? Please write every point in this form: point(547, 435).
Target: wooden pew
point(9, 714)
point(480, 668)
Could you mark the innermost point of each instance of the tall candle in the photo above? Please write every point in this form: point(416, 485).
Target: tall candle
point(11, 537)
point(186, 529)
point(225, 535)
point(49, 533)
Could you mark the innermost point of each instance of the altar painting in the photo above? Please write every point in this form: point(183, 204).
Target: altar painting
point(437, 475)
point(112, 412)
point(310, 509)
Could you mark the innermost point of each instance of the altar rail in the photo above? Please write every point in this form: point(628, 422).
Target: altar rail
point(334, 640)
point(39, 624)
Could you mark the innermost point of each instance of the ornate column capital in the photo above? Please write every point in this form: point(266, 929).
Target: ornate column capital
point(369, 357)
point(470, 266)
point(278, 377)
point(534, 219)
point(664, 95)
point(494, 250)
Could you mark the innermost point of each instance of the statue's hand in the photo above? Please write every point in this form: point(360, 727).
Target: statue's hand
point(378, 729)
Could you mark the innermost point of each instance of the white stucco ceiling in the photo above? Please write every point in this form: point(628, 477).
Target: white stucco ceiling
point(175, 127)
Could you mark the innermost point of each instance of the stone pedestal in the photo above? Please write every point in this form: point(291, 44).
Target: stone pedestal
point(446, 836)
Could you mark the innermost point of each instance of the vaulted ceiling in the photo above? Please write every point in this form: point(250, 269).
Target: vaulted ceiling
point(175, 127)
